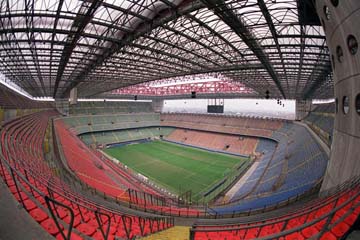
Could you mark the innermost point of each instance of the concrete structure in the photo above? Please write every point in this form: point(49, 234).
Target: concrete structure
point(341, 23)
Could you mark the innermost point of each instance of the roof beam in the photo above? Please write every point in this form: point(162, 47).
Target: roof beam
point(128, 38)
point(318, 81)
point(61, 2)
point(15, 51)
point(226, 14)
point(83, 17)
point(221, 69)
point(302, 50)
point(266, 13)
point(29, 19)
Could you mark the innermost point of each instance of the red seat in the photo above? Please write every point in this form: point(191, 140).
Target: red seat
point(76, 222)
point(351, 218)
point(50, 226)
point(294, 236)
point(309, 232)
point(29, 205)
point(38, 214)
point(252, 233)
point(295, 222)
point(269, 230)
point(328, 236)
point(340, 229)
point(61, 213)
point(73, 236)
point(23, 196)
point(98, 236)
point(86, 229)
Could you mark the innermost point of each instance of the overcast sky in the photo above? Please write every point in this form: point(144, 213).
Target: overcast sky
point(250, 107)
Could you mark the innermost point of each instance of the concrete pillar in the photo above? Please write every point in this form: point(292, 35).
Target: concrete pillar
point(73, 96)
point(341, 22)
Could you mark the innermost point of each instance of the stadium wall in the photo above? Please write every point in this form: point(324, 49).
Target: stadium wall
point(158, 105)
point(340, 20)
point(302, 109)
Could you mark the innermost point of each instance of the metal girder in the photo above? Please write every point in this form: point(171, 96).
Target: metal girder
point(194, 40)
point(234, 22)
point(274, 35)
point(318, 81)
point(215, 33)
point(302, 48)
point(259, 43)
point(29, 8)
point(83, 17)
point(130, 37)
point(15, 52)
point(61, 2)
point(221, 69)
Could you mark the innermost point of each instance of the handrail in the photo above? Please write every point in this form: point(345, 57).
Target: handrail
point(18, 168)
point(71, 224)
point(203, 214)
point(182, 212)
point(228, 227)
point(344, 187)
point(286, 232)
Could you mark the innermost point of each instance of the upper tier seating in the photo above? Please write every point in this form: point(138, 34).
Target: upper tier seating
point(225, 124)
point(117, 136)
point(296, 166)
point(321, 120)
point(51, 201)
point(89, 108)
point(11, 100)
point(106, 122)
point(325, 108)
point(325, 218)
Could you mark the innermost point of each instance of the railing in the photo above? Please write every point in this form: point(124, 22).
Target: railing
point(169, 207)
point(19, 172)
point(351, 185)
point(23, 185)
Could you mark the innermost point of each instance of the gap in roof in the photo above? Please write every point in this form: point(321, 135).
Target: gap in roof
point(211, 83)
point(186, 80)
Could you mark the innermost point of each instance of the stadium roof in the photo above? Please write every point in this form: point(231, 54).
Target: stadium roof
point(50, 46)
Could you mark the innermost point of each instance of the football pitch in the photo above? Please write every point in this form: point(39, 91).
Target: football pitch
point(176, 167)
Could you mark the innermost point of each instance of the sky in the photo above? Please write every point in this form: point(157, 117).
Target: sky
point(244, 107)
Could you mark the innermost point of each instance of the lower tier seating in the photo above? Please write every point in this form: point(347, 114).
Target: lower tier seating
point(61, 211)
point(221, 142)
point(325, 218)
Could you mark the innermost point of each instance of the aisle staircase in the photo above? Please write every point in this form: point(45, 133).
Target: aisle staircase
point(174, 233)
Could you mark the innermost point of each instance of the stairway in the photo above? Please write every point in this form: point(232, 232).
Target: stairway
point(174, 233)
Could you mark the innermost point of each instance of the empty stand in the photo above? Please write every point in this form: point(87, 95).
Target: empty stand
point(91, 108)
point(226, 143)
point(51, 202)
point(328, 217)
point(321, 120)
point(281, 161)
point(11, 100)
point(107, 122)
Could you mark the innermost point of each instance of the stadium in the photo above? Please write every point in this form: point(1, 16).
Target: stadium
point(180, 119)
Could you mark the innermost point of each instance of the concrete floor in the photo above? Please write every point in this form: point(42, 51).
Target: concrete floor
point(15, 222)
point(354, 236)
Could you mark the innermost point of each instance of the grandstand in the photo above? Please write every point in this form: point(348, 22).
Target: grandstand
point(104, 136)
point(321, 120)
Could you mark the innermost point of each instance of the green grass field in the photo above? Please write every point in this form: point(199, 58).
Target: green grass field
point(175, 167)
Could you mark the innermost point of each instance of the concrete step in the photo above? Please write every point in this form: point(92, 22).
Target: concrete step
point(174, 233)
